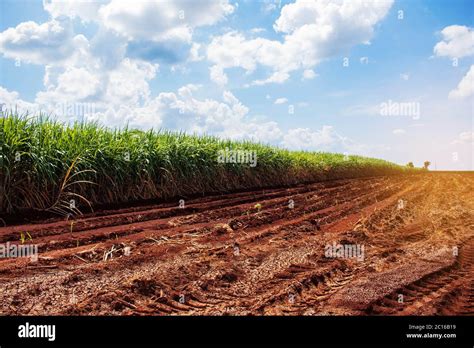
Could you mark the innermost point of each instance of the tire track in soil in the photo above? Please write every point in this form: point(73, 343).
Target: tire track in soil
point(257, 238)
point(143, 233)
point(218, 292)
point(317, 285)
point(182, 264)
point(448, 291)
point(124, 217)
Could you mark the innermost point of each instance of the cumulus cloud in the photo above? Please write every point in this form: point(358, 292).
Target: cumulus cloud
point(457, 42)
point(114, 96)
point(149, 30)
point(306, 139)
point(228, 118)
point(465, 88)
point(309, 74)
point(113, 68)
point(86, 10)
point(276, 77)
point(313, 31)
point(73, 84)
point(281, 101)
point(128, 83)
point(327, 139)
point(270, 5)
point(194, 55)
point(10, 100)
point(233, 50)
point(30, 42)
point(217, 75)
point(145, 19)
point(162, 20)
point(145, 116)
point(125, 84)
point(107, 48)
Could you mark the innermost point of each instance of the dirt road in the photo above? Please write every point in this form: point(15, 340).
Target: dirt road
point(259, 253)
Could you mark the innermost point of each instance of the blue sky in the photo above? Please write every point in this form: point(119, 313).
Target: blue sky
point(311, 75)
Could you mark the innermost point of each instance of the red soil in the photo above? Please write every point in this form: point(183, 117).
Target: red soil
point(225, 255)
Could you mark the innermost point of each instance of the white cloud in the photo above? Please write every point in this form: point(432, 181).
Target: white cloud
point(11, 101)
point(142, 117)
point(194, 55)
point(399, 131)
point(87, 10)
point(217, 75)
point(281, 101)
point(270, 5)
point(327, 139)
point(114, 96)
point(128, 83)
point(79, 71)
point(313, 31)
point(457, 42)
point(276, 77)
point(125, 85)
point(97, 71)
point(40, 43)
point(306, 139)
point(465, 88)
point(162, 20)
point(309, 74)
point(233, 50)
point(227, 119)
point(73, 84)
point(148, 30)
point(465, 138)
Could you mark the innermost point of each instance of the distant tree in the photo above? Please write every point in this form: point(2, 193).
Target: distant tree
point(410, 165)
point(426, 165)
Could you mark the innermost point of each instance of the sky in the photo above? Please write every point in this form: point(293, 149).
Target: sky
point(379, 78)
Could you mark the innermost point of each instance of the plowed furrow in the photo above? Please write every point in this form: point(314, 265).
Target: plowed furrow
point(250, 253)
point(445, 291)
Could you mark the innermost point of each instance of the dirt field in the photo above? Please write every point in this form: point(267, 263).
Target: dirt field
point(259, 253)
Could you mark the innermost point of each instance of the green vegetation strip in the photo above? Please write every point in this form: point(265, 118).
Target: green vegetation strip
point(46, 165)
